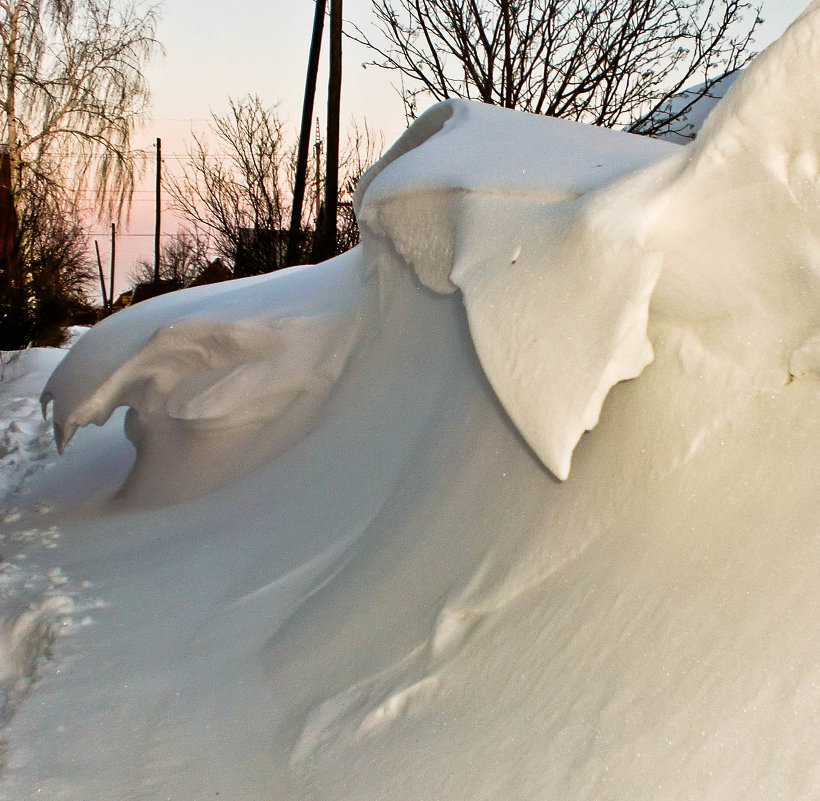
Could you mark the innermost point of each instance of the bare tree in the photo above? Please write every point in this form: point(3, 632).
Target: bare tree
point(52, 246)
point(606, 62)
point(362, 149)
point(72, 91)
point(236, 187)
point(238, 194)
point(183, 258)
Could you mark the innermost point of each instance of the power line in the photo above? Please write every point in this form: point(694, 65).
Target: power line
point(73, 154)
point(120, 234)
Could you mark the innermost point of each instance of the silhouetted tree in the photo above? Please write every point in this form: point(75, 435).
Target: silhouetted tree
point(241, 188)
point(56, 271)
point(72, 91)
point(235, 187)
point(606, 62)
point(183, 257)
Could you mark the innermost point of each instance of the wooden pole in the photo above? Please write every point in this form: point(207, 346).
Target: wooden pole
point(334, 99)
point(102, 277)
point(113, 264)
point(300, 178)
point(158, 224)
point(318, 199)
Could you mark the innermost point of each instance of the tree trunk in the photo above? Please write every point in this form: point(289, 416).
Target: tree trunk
point(13, 306)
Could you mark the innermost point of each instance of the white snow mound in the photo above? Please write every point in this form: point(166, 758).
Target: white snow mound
point(374, 589)
point(556, 286)
point(555, 233)
point(216, 379)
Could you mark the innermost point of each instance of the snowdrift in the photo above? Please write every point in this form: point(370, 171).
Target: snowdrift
point(368, 551)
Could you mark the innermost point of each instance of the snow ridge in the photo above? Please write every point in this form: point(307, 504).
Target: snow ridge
point(563, 248)
point(402, 603)
point(202, 386)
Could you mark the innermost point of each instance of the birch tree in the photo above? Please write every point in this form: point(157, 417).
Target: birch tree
point(72, 92)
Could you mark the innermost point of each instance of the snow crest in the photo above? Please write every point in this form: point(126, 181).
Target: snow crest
point(556, 285)
point(565, 240)
point(401, 604)
point(211, 396)
point(558, 256)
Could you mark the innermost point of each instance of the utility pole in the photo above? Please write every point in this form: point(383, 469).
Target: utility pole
point(300, 179)
point(113, 263)
point(102, 277)
point(158, 223)
point(334, 99)
point(317, 201)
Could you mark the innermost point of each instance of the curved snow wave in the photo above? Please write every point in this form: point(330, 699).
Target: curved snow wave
point(556, 289)
point(558, 257)
point(650, 623)
point(565, 240)
point(216, 381)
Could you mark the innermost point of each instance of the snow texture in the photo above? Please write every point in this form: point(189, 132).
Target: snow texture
point(556, 287)
point(216, 381)
point(337, 567)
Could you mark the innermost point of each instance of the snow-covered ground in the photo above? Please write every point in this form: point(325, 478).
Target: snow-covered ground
point(359, 545)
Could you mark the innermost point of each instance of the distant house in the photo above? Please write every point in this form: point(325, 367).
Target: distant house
point(123, 300)
point(151, 289)
point(216, 272)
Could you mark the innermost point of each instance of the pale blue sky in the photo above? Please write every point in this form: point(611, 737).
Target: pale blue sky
point(216, 50)
point(259, 48)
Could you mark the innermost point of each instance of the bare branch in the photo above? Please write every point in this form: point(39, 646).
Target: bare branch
point(235, 187)
point(73, 90)
point(609, 62)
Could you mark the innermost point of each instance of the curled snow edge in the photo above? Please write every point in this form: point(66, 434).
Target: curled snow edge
point(564, 240)
point(562, 259)
point(556, 282)
point(217, 379)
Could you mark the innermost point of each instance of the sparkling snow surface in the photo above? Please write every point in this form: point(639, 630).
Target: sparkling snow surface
point(359, 545)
